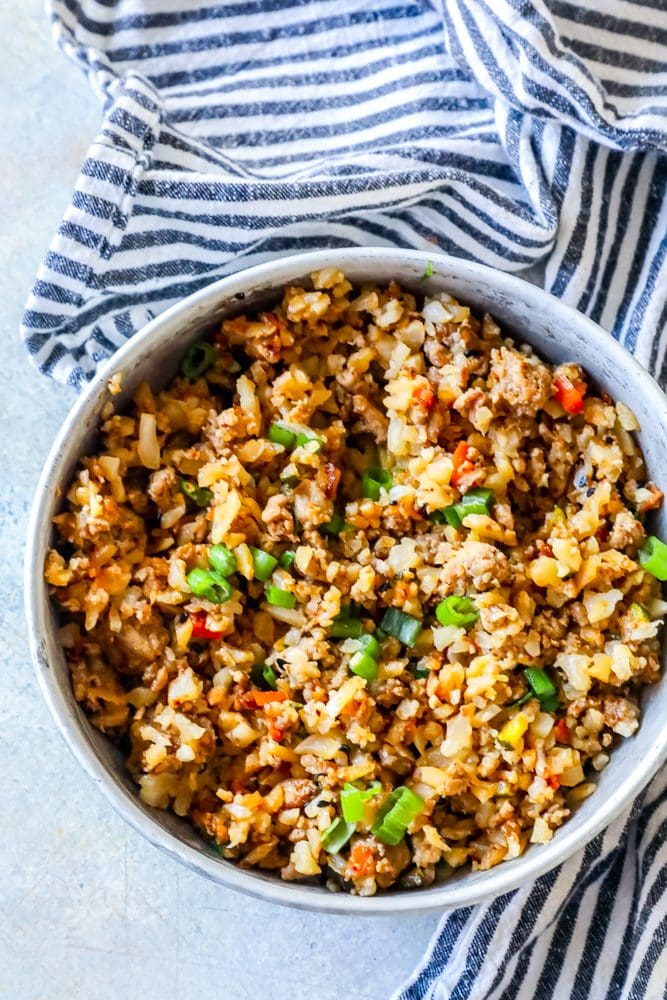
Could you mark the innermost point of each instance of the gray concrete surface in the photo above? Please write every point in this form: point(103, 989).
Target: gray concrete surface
point(89, 909)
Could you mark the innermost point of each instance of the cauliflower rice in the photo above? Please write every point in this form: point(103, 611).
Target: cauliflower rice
point(342, 431)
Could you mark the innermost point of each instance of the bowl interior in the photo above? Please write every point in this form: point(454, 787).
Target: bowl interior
point(524, 311)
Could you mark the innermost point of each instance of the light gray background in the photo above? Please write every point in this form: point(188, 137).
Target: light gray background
point(89, 909)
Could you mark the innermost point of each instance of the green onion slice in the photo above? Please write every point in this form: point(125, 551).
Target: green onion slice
point(280, 434)
point(345, 627)
point(421, 672)
point(395, 815)
point(521, 701)
point(353, 799)
point(222, 559)
point(653, 557)
point(303, 439)
point(373, 481)
point(263, 677)
point(459, 611)
point(542, 687)
point(208, 584)
point(287, 559)
point(335, 525)
point(477, 501)
point(406, 628)
point(369, 644)
point(336, 836)
point(364, 665)
point(198, 494)
point(447, 515)
point(279, 597)
point(263, 563)
point(199, 358)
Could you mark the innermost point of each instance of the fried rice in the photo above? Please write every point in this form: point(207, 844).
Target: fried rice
point(362, 593)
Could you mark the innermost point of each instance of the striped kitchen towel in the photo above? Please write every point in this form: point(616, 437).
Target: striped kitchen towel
point(515, 132)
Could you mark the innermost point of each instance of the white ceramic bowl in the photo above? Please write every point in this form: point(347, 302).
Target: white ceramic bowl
point(558, 333)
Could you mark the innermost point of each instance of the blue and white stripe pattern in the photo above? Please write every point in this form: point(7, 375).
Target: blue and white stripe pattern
point(593, 929)
point(516, 132)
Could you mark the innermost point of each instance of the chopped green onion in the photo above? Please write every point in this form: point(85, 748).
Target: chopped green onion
point(447, 515)
point(222, 559)
point(364, 665)
point(199, 581)
point(421, 672)
point(279, 597)
point(653, 557)
point(542, 687)
point(287, 559)
point(281, 435)
point(370, 489)
point(335, 525)
point(336, 836)
point(363, 662)
point(459, 611)
point(404, 627)
point(198, 494)
point(344, 627)
point(375, 480)
point(210, 585)
point(369, 644)
point(304, 439)
point(352, 804)
point(263, 676)
point(522, 700)
point(395, 815)
point(428, 271)
point(352, 800)
point(410, 632)
point(477, 501)
point(263, 563)
point(199, 358)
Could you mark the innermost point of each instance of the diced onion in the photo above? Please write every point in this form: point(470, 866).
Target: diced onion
point(325, 747)
point(303, 860)
point(288, 615)
point(148, 448)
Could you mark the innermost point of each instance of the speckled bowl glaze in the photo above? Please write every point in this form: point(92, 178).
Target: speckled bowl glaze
point(558, 333)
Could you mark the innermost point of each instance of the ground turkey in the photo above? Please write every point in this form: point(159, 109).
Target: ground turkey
point(483, 564)
point(626, 532)
point(518, 382)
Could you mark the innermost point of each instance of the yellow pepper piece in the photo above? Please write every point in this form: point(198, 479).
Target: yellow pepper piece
point(511, 735)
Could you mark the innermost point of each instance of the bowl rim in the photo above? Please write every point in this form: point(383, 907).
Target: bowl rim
point(502, 878)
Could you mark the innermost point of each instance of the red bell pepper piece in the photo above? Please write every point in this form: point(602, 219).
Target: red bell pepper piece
point(261, 698)
point(561, 732)
point(569, 394)
point(199, 630)
point(425, 397)
point(461, 462)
